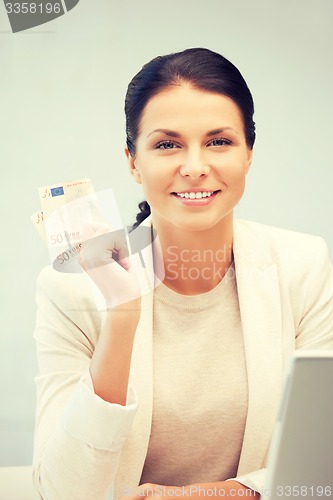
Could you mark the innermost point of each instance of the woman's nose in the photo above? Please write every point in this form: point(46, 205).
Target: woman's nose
point(194, 166)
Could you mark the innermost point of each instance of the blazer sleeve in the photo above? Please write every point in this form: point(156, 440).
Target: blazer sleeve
point(311, 298)
point(78, 436)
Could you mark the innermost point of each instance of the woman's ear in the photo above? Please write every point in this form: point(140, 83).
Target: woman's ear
point(132, 166)
point(249, 159)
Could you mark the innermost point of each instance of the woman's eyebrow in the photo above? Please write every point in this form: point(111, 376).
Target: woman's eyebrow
point(220, 131)
point(172, 133)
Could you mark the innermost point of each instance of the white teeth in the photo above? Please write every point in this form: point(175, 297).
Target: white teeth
point(195, 195)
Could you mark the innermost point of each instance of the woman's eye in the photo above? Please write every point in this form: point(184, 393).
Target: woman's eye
point(166, 145)
point(220, 142)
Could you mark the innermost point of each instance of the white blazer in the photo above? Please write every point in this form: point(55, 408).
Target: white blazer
point(285, 289)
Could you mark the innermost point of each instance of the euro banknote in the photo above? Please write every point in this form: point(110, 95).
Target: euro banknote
point(66, 209)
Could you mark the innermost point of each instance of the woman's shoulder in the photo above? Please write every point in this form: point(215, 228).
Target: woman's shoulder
point(274, 232)
point(275, 235)
point(57, 281)
point(284, 246)
point(69, 291)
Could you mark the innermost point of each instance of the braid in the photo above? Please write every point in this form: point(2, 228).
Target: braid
point(143, 214)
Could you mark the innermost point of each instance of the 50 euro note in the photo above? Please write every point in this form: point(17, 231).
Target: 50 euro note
point(66, 209)
point(52, 198)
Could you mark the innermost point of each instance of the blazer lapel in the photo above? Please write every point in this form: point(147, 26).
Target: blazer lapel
point(261, 316)
point(134, 451)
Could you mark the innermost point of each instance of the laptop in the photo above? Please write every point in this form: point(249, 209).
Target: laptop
point(300, 460)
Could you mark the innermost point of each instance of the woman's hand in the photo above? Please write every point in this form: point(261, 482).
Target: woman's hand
point(222, 489)
point(105, 257)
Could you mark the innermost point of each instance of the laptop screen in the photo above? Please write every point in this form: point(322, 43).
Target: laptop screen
point(300, 461)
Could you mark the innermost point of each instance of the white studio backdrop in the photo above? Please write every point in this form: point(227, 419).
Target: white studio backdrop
point(62, 88)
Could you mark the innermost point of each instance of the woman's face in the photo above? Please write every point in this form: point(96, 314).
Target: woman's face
point(191, 157)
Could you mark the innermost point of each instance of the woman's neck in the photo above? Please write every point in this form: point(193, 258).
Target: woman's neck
point(195, 261)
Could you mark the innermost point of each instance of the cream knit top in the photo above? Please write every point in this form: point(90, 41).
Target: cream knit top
point(199, 386)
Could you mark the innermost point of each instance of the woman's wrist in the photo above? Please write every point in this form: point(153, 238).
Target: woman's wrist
point(110, 364)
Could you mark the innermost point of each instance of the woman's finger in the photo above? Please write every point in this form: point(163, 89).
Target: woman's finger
point(105, 248)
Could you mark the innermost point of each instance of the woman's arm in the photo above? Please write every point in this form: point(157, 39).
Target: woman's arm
point(118, 282)
point(315, 328)
point(79, 433)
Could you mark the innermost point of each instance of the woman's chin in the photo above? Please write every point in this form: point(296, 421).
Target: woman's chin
point(194, 224)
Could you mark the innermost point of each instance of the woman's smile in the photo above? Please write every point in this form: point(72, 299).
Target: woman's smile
point(196, 198)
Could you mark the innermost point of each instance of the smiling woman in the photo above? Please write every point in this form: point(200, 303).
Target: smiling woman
point(175, 392)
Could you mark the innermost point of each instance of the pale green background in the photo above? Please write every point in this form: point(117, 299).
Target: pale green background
point(62, 90)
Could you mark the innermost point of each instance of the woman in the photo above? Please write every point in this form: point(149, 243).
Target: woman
point(175, 392)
